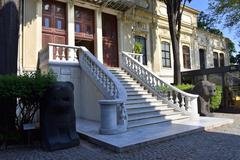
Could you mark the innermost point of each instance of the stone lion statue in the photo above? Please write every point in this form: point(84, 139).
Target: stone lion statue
point(205, 90)
point(57, 116)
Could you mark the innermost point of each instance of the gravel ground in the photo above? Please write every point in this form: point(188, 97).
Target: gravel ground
point(221, 143)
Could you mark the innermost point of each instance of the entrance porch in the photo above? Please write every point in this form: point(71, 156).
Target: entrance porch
point(124, 107)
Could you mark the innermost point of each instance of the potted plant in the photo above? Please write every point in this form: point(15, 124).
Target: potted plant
point(138, 47)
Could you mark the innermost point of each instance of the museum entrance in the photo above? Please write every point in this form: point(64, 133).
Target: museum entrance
point(84, 28)
point(110, 40)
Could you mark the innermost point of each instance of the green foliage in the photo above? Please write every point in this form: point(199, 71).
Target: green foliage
point(27, 89)
point(235, 59)
point(138, 47)
point(207, 23)
point(227, 12)
point(185, 87)
point(216, 100)
point(163, 89)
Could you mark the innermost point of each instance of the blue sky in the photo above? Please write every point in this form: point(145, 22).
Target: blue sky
point(202, 5)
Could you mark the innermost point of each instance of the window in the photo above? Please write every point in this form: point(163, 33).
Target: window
point(46, 22)
point(215, 59)
point(221, 60)
point(77, 27)
point(142, 40)
point(186, 57)
point(166, 57)
point(59, 24)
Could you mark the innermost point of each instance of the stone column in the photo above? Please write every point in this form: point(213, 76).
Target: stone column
point(70, 24)
point(109, 122)
point(155, 48)
point(98, 43)
point(120, 36)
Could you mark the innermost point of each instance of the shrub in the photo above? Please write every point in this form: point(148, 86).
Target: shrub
point(185, 87)
point(164, 89)
point(216, 100)
point(25, 91)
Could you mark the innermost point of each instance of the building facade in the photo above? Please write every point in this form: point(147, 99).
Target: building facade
point(107, 28)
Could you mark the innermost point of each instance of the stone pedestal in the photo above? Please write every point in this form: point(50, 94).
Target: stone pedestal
point(109, 121)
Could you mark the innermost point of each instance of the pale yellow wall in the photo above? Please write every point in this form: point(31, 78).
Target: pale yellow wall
point(32, 34)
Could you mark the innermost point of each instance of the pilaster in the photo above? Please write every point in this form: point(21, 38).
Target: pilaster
point(98, 38)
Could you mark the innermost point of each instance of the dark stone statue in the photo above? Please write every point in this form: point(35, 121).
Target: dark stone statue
point(58, 129)
point(205, 90)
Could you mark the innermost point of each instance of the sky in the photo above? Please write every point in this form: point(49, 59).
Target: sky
point(203, 6)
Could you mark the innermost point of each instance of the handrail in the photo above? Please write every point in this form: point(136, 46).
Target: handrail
point(185, 102)
point(112, 90)
point(137, 56)
point(87, 59)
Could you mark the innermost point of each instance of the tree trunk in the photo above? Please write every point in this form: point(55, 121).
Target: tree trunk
point(175, 44)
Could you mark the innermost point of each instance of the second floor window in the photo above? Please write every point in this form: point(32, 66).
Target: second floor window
point(186, 57)
point(215, 59)
point(166, 56)
point(221, 60)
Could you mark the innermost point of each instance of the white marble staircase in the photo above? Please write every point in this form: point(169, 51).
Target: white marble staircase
point(142, 107)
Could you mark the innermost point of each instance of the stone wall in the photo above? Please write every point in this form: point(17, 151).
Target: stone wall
point(86, 94)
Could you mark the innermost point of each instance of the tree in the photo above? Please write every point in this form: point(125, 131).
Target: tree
point(207, 23)
point(174, 11)
point(226, 11)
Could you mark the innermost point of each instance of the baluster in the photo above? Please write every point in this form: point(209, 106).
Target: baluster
point(171, 96)
point(183, 102)
point(63, 54)
point(176, 99)
point(188, 106)
point(153, 81)
point(108, 85)
point(50, 53)
point(57, 53)
point(105, 81)
point(141, 58)
point(148, 79)
point(69, 54)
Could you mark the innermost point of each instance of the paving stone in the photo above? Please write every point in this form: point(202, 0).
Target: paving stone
point(221, 143)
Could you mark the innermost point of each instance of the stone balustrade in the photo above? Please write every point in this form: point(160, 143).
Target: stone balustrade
point(180, 100)
point(112, 90)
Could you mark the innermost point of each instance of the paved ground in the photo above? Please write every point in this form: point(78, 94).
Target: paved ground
point(221, 143)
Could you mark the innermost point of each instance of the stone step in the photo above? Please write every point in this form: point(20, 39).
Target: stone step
point(131, 85)
point(139, 96)
point(145, 104)
point(155, 120)
point(161, 109)
point(123, 78)
point(138, 92)
point(114, 68)
point(132, 89)
point(141, 101)
point(129, 82)
point(151, 115)
point(119, 73)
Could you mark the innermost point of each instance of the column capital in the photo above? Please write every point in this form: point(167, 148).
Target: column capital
point(71, 2)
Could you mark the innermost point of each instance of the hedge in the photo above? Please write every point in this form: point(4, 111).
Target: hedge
point(215, 100)
point(25, 91)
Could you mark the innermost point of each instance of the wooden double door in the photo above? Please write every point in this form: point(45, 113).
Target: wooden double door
point(110, 40)
point(53, 22)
